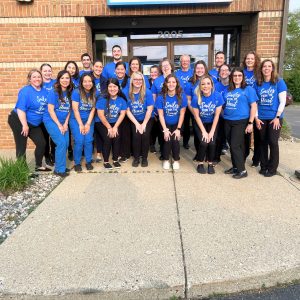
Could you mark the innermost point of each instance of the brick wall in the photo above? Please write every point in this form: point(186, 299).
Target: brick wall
point(55, 31)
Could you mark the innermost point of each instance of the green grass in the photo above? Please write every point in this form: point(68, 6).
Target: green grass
point(285, 130)
point(14, 175)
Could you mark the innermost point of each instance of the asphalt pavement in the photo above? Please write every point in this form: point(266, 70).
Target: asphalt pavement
point(292, 116)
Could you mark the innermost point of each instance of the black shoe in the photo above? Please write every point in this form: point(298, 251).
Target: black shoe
point(63, 174)
point(49, 162)
point(135, 162)
point(269, 174)
point(255, 164)
point(152, 149)
point(201, 169)
point(67, 170)
point(123, 159)
point(231, 171)
point(216, 161)
point(240, 175)
point(186, 146)
point(211, 169)
point(116, 164)
point(70, 155)
point(89, 166)
point(42, 169)
point(161, 158)
point(78, 168)
point(263, 171)
point(107, 166)
point(144, 163)
point(195, 158)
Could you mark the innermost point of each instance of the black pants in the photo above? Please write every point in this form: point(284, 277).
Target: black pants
point(186, 133)
point(171, 145)
point(257, 146)
point(206, 149)
point(109, 143)
point(156, 132)
point(269, 140)
point(235, 134)
point(141, 142)
point(220, 139)
point(196, 139)
point(70, 148)
point(35, 134)
point(98, 140)
point(125, 137)
point(50, 145)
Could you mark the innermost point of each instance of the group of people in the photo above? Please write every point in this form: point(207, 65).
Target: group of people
point(121, 112)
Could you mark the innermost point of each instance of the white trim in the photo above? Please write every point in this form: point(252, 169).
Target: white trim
point(51, 20)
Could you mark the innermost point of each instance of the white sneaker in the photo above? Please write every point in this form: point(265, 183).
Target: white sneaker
point(176, 165)
point(166, 165)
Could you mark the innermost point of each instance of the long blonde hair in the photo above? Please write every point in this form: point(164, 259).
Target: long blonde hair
point(142, 91)
point(198, 91)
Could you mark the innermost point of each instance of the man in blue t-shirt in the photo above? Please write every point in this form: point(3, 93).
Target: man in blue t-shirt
point(219, 61)
point(86, 63)
point(109, 69)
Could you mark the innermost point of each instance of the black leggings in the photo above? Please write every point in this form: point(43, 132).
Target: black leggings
point(171, 145)
point(156, 132)
point(204, 147)
point(108, 143)
point(141, 142)
point(98, 140)
point(35, 134)
point(125, 137)
point(50, 145)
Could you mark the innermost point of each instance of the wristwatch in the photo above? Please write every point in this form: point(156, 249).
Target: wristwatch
point(250, 123)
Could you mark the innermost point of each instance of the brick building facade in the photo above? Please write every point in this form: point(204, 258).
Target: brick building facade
point(55, 31)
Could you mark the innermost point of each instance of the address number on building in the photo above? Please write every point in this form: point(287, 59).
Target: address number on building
point(170, 34)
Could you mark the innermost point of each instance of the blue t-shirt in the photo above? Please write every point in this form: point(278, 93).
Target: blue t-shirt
point(100, 84)
point(126, 87)
point(109, 70)
point(61, 109)
point(190, 88)
point(268, 99)
point(158, 84)
point(33, 103)
point(208, 106)
point(184, 75)
point(237, 103)
point(249, 77)
point(221, 88)
point(137, 108)
point(83, 108)
point(83, 72)
point(214, 73)
point(48, 86)
point(171, 107)
point(115, 108)
point(76, 82)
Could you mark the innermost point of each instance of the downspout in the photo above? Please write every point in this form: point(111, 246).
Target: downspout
point(283, 36)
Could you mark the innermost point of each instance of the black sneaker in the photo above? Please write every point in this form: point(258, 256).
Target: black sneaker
point(270, 174)
point(123, 159)
point(211, 169)
point(161, 157)
point(49, 162)
point(117, 165)
point(63, 174)
point(231, 171)
point(89, 167)
point(263, 172)
point(201, 169)
point(186, 146)
point(135, 163)
point(240, 175)
point(67, 170)
point(195, 158)
point(70, 155)
point(144, 163)
point(152, 149)
point(78, 168)
point(255, 164)
point(107, 166)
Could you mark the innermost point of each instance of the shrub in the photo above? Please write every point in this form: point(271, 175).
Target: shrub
point(292, 79)
point(14, 175)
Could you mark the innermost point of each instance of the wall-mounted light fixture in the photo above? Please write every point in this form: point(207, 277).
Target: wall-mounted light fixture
point(25, 1)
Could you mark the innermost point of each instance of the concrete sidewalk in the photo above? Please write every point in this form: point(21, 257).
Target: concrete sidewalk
point(152, 234)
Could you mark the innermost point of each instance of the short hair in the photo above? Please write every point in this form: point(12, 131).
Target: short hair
point(116, 46)
point(85, 54)
point(45, 65)
point(220, 52)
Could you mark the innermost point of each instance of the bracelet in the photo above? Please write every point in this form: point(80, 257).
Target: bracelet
point(167, 129)
point(250, 123)
point(178, 128)
point(278, 117)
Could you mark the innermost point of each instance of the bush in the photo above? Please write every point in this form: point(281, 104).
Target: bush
point(14, 175)
point(292, 79)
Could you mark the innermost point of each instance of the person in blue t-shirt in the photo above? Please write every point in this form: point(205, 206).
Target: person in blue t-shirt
point(239, 112)
point(26, 118)
point(82, 120)
point(207, 106)
point(222, 86)
point(271, 91)
point(171, 106)
point(100, 83)
point(251, 65)
point(86, 61)
point(200, 70)
point(140, 106)
point(219, 61)
point(111, 110)
point(56, 119)
point(72, 67)
point(48, 84)
point(135, 65)
point(110, 68)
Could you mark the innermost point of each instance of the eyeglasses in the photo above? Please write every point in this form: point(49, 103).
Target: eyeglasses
point(238, 75)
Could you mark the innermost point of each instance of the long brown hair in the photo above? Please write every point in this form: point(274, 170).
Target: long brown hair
point(274, 75)
point(256, 63)
point(91, 98)
point(231, 83)
point(58, 88)
point(194, 78)
point(178, 91)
